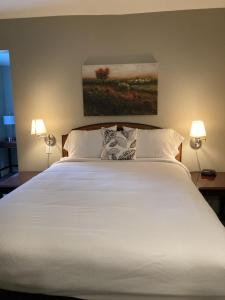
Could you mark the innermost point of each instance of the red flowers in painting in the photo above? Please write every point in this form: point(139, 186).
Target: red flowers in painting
point(102, 74)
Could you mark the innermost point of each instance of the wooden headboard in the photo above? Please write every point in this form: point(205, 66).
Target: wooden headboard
point(119, 127)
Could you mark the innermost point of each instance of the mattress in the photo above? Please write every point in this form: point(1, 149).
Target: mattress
point(112, 230)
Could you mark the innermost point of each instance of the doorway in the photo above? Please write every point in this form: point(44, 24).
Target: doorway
point(8, 149)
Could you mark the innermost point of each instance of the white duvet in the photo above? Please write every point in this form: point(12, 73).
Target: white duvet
point(111, 230)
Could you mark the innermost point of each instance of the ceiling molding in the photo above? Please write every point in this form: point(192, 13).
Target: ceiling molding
point(43, 8)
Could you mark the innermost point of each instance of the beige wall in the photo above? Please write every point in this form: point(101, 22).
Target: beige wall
point(47, 55)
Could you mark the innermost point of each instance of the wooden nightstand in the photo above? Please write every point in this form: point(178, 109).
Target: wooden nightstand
point(10, 146)
point(11, 183)
point(212, 186)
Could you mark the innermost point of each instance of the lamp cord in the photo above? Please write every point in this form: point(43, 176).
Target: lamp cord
point(48, 156)
point(198, 161)
point(199, 167)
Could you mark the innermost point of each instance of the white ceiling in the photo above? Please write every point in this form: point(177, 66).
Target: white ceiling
point(38, 8)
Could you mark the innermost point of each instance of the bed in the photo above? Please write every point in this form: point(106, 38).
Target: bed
point(112, 230)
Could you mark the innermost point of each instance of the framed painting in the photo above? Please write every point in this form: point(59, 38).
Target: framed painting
point(120, 89)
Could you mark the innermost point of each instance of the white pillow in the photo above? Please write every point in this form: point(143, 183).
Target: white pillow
point(157, 143)
point(85, 143)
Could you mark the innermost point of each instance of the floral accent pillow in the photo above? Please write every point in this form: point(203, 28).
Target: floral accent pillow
point(119, 145)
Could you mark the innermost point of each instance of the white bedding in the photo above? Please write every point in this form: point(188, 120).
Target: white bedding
point(112, 230)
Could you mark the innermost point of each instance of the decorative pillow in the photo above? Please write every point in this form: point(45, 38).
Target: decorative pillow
point(119, 145)
point(157, 143)
point(85, 143)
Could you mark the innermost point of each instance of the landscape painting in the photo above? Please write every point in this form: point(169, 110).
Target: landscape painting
point(120, 89)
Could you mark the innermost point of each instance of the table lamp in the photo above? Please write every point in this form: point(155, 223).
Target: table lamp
point(197, 134)
point(38, 128)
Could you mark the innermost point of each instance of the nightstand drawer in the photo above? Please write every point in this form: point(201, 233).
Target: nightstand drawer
point(212, 186)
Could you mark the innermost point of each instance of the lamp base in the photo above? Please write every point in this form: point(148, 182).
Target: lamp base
point(195, 143)
point(50, 140)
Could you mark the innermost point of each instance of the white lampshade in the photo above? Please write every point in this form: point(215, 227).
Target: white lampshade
point(38, 127)
point(198, 129)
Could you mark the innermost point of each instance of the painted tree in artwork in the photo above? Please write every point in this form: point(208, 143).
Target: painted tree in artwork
point(102, 74)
